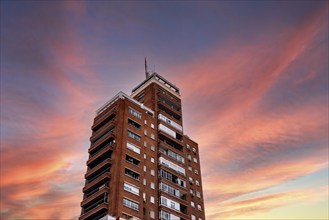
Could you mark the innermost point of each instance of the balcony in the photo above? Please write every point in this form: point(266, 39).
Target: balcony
point(102, 178)
point(99, 133)
point(169, 111)
point(101, 140)
point(96, 212)
point(101, 149)
point(168, 189)
point(172, 105)
point(172, 166)
point(90, 190)
point(95, 195)
point(100, 119)
point(171, 154)
point(97, 173)
point(169, 141)
point(106, 163)
point(96, 135)
point(170, 97)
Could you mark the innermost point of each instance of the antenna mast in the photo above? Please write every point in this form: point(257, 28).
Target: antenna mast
point(147, 74)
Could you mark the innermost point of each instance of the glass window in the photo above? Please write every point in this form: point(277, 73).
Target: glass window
point(130, 204)
point(152, 214)
point(132, 147)
point(134, 136)
point(134, 113)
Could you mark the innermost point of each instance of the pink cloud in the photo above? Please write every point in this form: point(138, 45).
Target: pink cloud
point(250, 140)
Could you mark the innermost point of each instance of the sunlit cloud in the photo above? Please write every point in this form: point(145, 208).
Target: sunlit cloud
point(259, 106)
point(257, 144)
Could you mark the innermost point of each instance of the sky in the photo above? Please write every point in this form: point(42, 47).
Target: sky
point(253, 77)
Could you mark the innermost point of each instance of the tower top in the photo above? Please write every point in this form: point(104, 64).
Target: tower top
point(160, 80)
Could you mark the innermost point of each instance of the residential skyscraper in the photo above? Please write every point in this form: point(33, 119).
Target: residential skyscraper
point(141, 165)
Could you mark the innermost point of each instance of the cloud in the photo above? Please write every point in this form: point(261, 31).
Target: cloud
point(250, 111)
point(240, 208)
point(45, 116)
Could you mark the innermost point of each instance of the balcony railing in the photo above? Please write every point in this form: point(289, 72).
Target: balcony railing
point(94, 210)
point(95, 194)
point(102, 128)
point(101, 139)
point(97, 167)
point(101, 150)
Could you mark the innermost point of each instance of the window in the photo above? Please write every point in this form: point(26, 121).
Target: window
point(134, 136)
point(189, 157)
point(164, 215)
point(196, 171)
point(152, 148)
point(189, 168)
point(152, 172)
point(152, 185)
point(144, 168)
point(152, 214)
point(152, 199)
point(198, 194)
point(145, 122)
point(132, 147)
point(152, 125)
point(166, 175)
point(194, 150)
point(191, 192)
point(192, 204)
point(195, 160)
point(145, 132)
point(132, 174)
point(172, 204)
point(190, 180)
point(197, 183)
point(169, 189)
point(131, 188)
point(172, 154)
point(188, 147)
point(163, 201)
point(135, 113)
point(193, 217)
point(134, 124)
point(152, 159)
point(130, 204)
point(152, 136)
point(132, 160)
point(200, 218)
point(199, 208)
point(171, 165)
point(145, 144)
point(144, 182)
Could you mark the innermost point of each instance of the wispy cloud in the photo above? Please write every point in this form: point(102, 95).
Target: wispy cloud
point(267, 98)
point(264, 130)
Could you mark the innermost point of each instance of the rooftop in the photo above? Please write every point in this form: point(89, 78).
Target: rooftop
point(161, 80)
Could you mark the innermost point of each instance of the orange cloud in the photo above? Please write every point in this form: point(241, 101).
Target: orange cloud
point(245, 207)
point(256, 144)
